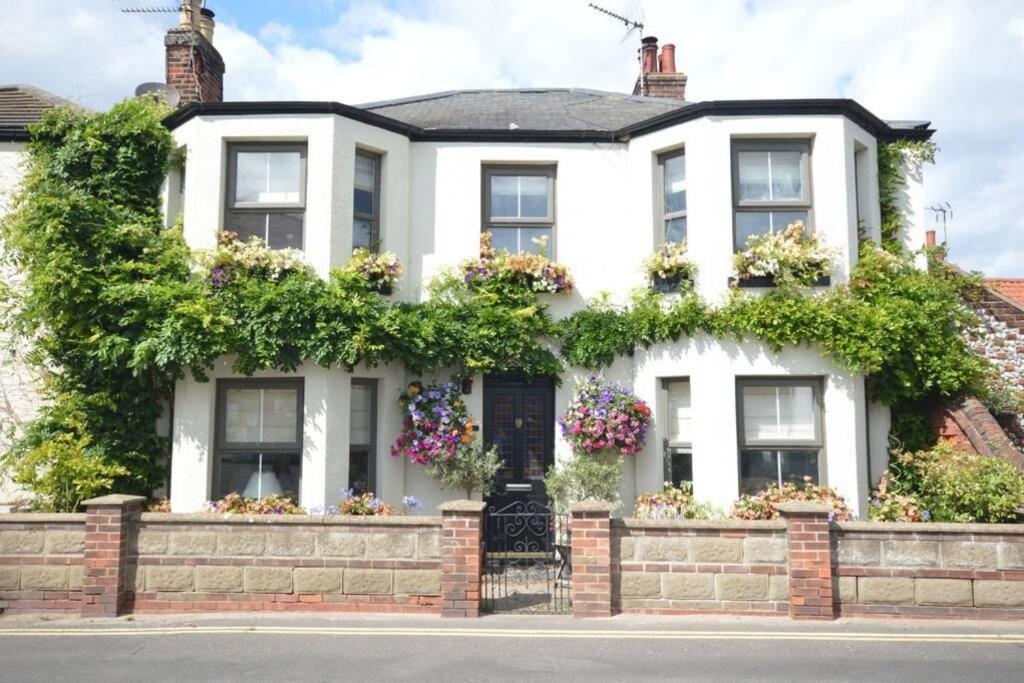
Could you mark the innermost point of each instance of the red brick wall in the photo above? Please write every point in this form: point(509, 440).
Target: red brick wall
point(194, 66)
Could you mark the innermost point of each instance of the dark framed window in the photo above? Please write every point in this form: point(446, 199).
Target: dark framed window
point(519, 207)
point(266, 193)
point(362, 449)
point(678, 446)
point(771, 184)
point(366, 201)
point(780, 431)
point(258, 444)
point(672, 196)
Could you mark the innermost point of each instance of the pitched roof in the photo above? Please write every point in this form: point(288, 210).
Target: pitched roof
point(1011, 288)
point(22, 105)
point(551, 109)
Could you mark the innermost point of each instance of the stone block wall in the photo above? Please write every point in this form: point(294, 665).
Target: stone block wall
point(41, 562)
point(212, 563)
point(929, 570)
point(680, 567)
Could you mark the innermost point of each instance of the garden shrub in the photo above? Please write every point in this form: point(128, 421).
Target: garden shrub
point(584, 477)
point(945, 484)
point(470, 469)
point(273, 504)
point(765, 504)
point(672, 502)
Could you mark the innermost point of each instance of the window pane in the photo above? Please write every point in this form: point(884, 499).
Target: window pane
point(248, 225)
point(779, 413)
point(505, 238)
point(754, 170)
point(679, 412)
point(751, 223)
point(362, 202)
point(527, 237)
point(781, 219)
point(268, 177)
point(504, 196)
point(682, 465)
point(255, 415)
point(533, 196)
point(757, 470)
point(361, 411)
point(675, 230)
point(359, 470)
point(799, 464)
point(366, 172)
point(363, 234)
point(258, 475)
point(787, 179)
point(285, 231)
point(675, 184)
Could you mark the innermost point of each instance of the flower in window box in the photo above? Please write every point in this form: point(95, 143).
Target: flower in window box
point(380, 271)
point(533, 271)
point(794, 257)
point(670, 268)
point(253, 258)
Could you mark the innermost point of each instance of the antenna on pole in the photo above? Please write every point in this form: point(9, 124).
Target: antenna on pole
point(631, 26)
point(942, 211)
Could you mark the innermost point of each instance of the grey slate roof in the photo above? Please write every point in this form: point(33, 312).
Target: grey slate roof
point(22, 105)
point(549, 109)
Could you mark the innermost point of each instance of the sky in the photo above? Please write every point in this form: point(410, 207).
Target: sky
point(957, 63)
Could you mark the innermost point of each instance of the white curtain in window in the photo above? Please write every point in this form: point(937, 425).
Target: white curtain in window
point(778, 413)
point(366, 172)
point(360, 415)
point(260, 415)
point(679, 412)
point(268, 177)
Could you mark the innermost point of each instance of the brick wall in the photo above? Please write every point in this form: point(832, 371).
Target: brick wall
point(209, 562)
point(678, 567)
point(929, 570)
point(41, 565)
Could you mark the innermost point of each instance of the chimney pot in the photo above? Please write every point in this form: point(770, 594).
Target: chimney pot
point(649, 55)
point(668, 58)
point(929, 238)
point(206, 23)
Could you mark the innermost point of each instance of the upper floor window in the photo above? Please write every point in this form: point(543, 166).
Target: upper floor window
point(678, 446)
point(266, 195)
point(672, 169)
point(519, 207)
point(771, 186)
point(779, 431)
point(366, 202)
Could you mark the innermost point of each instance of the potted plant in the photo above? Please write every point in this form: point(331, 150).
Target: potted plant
point(380, 270)
point(794, 257)
point(669, 267)
point(605, 417)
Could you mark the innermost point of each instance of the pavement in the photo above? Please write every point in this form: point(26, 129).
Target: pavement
point(304, 647)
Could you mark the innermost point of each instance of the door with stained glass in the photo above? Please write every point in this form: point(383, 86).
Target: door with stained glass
point(519, 420)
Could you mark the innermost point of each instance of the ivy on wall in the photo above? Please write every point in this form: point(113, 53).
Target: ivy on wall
point(895, 159)
point(119, 309)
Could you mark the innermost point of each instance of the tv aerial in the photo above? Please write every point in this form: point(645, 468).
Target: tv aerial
point(631, 24)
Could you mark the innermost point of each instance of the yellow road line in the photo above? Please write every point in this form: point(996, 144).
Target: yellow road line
point(995, 638)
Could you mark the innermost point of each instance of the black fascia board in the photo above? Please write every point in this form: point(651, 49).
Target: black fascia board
point(807, 107)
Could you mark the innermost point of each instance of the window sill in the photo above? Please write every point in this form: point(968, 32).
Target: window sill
point(769, 281)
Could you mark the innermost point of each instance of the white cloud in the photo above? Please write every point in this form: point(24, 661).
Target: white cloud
point(954, 62)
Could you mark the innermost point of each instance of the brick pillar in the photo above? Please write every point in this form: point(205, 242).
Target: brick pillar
point(106, 553)
point(591, 528)
point(810, 560)
point(461, 557)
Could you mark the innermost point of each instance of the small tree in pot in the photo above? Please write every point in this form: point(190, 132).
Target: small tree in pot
point(471, 468)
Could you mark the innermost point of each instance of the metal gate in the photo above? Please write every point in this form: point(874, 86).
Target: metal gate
point(527, 567)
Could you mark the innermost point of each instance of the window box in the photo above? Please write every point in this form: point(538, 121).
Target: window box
point(667, 285)
point(769, 281)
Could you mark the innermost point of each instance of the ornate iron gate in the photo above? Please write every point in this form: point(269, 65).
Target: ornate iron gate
point(527, 568)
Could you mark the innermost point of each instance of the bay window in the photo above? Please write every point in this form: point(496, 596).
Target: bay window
point(672, 172)
point(519, 208)
point(771, 186)
point(678, 448)
point(779, 431)
point(258, 438)
point(266, 193)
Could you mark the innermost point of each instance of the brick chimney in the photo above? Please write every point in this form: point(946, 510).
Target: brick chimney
point(658, 75)
point(194, 66)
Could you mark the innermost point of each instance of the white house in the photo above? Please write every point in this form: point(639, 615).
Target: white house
point(596, 172)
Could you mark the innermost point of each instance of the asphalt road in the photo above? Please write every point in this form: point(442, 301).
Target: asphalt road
point(514, 648)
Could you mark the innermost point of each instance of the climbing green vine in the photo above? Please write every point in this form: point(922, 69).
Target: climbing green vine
point(893, 160)
point(119, 308)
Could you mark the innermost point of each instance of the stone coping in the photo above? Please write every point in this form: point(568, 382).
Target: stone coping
point(462, 506)
point(931, 527)
point(591, 505)
point(805, 507)
point(43, 518)
point(285, 520)
point(701, 524)
point(114, 499)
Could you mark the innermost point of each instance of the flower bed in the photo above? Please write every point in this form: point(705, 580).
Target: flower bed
point(605, 417)
point(793, 257)
point(670, 268)
point(234, 503)
point(672, 502)
point(533, 271)
point(380, 271)
point(765, 504)
point(435, 424)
